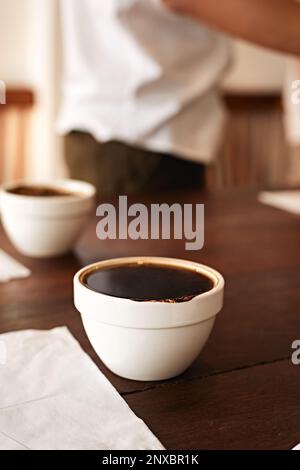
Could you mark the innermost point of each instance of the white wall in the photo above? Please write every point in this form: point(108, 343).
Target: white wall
point(255, 70)
point(15, 25)
point(30, 55)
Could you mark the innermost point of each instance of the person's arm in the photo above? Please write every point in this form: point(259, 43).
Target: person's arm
point(269, 23)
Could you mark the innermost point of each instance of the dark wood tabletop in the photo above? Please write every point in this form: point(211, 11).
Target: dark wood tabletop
point(243, 391)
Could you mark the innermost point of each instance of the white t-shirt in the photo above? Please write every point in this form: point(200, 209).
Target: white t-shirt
point(137, 73)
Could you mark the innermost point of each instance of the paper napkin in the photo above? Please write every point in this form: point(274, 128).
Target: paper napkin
point(11, 269)
point(52, 396)
point(287, 200)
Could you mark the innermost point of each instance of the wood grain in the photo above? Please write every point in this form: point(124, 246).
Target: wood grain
point(254, 151)
point(256, 408)
point(14, 123)
point(19, 97)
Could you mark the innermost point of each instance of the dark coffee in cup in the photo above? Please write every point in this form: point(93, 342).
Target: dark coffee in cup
point(39, 191)
point(148, 282)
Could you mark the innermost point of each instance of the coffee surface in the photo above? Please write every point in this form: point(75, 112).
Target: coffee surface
point(142, 282)
point(39, 191)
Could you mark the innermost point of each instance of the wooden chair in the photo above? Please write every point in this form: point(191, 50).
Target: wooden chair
point(254, 152)
point(14, 128)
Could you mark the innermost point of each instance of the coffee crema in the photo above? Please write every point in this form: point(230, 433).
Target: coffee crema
point(148, 282)
point(39, 191)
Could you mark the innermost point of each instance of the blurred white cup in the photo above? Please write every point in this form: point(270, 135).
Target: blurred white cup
point(46, 226)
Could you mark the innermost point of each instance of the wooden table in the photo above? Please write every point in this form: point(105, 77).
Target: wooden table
point(243, 391)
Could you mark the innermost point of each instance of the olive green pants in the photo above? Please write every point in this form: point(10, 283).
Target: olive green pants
point(116, 168)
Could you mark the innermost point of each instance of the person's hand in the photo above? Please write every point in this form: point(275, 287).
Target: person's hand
point(251, 20)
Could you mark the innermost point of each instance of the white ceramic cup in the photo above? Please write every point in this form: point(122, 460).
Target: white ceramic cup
point(46, 226)
point(148, 340)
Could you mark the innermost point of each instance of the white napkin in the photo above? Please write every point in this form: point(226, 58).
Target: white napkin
point(52, 396)
point(296, 447)
point(11, 269)
point(287, 200)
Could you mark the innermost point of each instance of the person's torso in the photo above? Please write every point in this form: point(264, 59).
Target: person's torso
point(131, 65)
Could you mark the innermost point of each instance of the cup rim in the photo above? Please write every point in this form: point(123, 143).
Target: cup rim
point(88, 190)
point(128, 313)
point(207, 271)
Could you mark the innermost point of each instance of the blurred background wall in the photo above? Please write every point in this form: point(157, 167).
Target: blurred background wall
point(30, 60)
point(255, 70)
